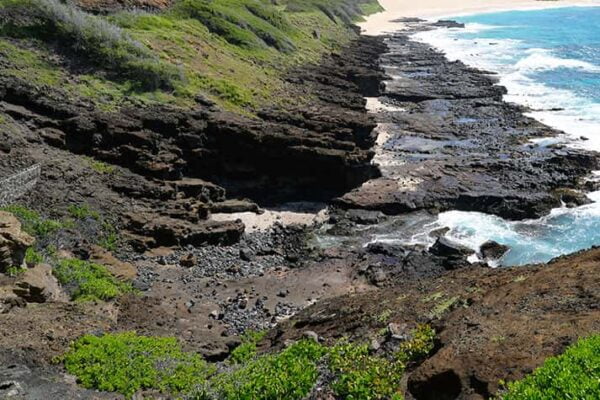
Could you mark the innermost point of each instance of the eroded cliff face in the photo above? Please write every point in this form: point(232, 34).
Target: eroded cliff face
point(181, 164)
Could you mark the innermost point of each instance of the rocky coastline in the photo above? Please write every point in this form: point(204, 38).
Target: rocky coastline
point(442, 139)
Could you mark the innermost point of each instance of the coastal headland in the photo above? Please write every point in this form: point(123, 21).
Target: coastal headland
point(225, 179)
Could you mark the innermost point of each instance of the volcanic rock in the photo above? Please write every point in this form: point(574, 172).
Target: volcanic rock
point(13, 242)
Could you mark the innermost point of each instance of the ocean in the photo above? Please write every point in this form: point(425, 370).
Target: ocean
point(549, 60)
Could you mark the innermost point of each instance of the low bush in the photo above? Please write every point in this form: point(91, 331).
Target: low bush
point(32, 257)
point(419, 346)
point(32, 222)
point(575, 374)
point(361, 376)
point(289, 374)
point(126, 363)
point(82, 212)
point(87, 281)
point(247, 349)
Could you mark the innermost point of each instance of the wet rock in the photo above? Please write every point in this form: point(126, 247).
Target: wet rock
point(445, 247)
point(492, 250)
point(13, 242)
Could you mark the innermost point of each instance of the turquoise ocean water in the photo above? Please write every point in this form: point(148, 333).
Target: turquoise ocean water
point(548, 60)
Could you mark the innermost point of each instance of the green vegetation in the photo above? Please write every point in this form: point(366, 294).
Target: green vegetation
point(32, 257)
point(126, 362)
point(289, 374)
point(361, 376)
point(419, 346)
point(14, 272)
point(234, 52)
point(247, 349)
point(82, 211)
point(575, 374)
point(32, 222)
point(87, 281)
point(99, 166)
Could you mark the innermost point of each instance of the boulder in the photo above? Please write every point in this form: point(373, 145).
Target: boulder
point(445, 247)
point(38, 285)
point(13, 242)
point(492, 250)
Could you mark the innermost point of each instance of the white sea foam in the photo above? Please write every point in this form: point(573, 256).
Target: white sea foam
point(560, 108)
point(564, 230)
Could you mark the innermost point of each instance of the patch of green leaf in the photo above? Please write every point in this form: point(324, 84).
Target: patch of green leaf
point(87, 281)
point(32, 257)
point(32, 222)
point(419, 346)
point(247, 349)
point(82, 212)
point(289, 374)
point(99, 166)
point(126, 363)
point(361, 376)
point(575, 374)
point(14, 272)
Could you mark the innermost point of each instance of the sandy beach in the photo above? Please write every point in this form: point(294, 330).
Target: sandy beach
point(381, 23)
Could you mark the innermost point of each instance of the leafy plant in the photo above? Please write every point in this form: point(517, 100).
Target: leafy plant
point(289, 374)
point(247, 349)
point(33, 223)
point(32, 257)
point(360, 376)
point(87, 281)
point(126, 363)
point(575, 374)
point(419, 346)
point(99, 166)
point(13, 272)
point(82, 211)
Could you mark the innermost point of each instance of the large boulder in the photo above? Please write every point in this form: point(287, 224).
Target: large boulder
point(13, 242)
point(492, 250)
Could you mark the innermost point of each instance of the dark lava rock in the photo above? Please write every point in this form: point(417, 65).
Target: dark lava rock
point(492, 250)
point(445, 247)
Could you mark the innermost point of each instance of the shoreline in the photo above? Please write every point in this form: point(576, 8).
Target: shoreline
point(383, 22)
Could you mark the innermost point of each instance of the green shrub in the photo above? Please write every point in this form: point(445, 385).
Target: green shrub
point(247, 349)
point(360, 376)
point(82, 211)
point(99, 166)
point(32, 257)
point(109, 237)
point(87, 281)
point(126, 363)
point(290, 375)
point(419, 346)
point(32, 222)
point(575, 374)
point(13, 272)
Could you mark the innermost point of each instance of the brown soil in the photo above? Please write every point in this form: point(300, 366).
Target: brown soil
point(491, 324)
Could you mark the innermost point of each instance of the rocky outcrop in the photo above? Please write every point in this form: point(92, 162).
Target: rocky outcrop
point(13, 242)
point(38, 285)
point(454, 144)
point(492, 324)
